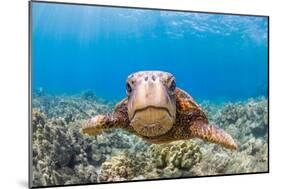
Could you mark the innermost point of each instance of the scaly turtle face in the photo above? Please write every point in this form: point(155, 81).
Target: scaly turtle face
point(151, 102)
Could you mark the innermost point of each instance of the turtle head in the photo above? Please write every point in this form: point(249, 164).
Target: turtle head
point(151, 102)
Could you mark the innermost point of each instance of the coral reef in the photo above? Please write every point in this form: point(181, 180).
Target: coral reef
point(56, 156)
point(175, 159)
point(70, 108)
point(243, 120)
point(61, 155)
point(127, 166)
point(156, 161)
point(247, 122)
point(251, 157)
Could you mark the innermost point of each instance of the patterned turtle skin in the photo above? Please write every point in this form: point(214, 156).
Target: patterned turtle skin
point(159, 112)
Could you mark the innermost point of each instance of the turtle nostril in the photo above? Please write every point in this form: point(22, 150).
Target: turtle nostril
point(153, 77)
point(146, 78)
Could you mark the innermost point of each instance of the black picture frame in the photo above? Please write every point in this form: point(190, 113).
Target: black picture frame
point(141, 8)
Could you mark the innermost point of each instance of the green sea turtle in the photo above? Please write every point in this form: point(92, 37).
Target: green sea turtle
point(159, 112)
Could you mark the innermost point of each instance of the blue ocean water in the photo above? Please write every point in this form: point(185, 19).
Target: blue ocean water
point(213, 56)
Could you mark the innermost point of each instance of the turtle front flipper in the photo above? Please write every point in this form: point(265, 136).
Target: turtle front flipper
point(213, 134)
point(99, 123)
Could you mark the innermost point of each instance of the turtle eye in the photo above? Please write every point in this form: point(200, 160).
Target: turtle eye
point(172, 86)
point(128, 88)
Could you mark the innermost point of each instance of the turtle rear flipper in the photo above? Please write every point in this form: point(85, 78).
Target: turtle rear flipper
point(212, 133)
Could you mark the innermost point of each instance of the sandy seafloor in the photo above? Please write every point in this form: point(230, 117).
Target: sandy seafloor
point(61, 155)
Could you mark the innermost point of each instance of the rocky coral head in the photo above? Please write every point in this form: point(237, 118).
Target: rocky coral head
point(151, 102)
